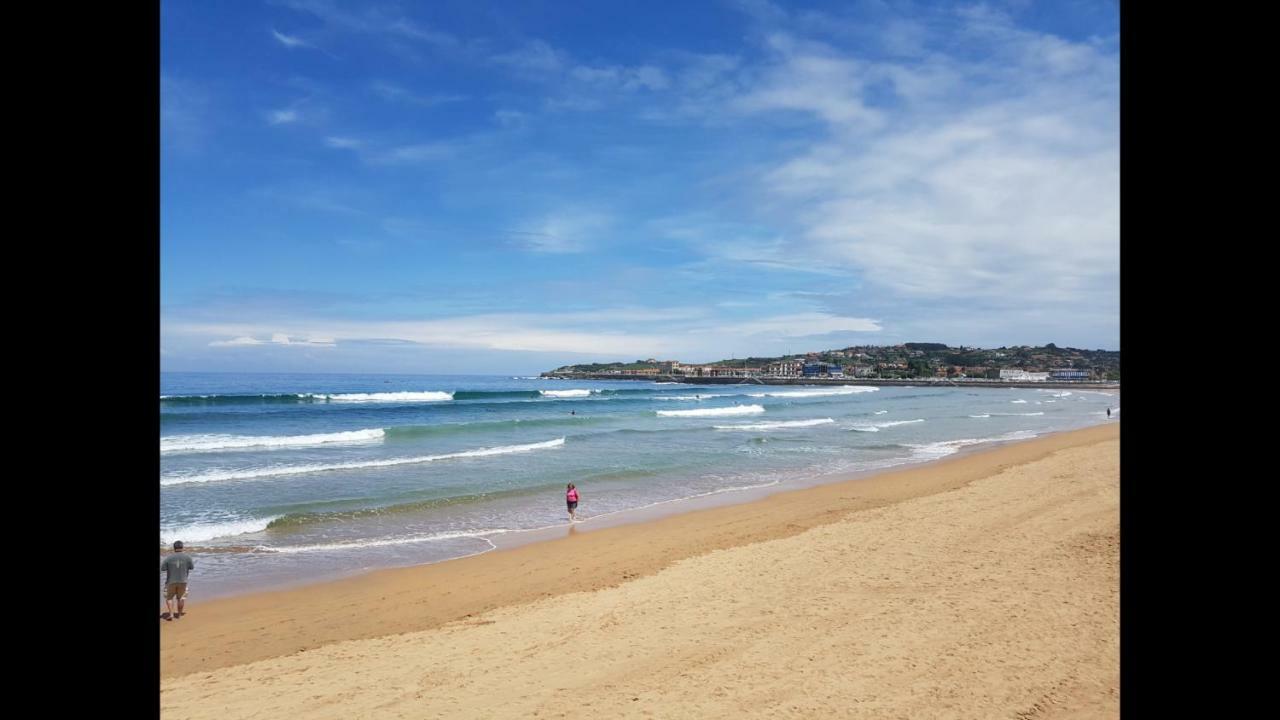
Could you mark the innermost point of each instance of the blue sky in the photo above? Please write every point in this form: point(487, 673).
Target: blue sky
point(454, 187)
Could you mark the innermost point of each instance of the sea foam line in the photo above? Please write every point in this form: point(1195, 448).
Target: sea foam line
point(385, 542)
point(777, 425)
point(301, 469)
point(199, 532)
point(842, 390)
point(877, 427)
point(714, 412)
point(568, 393)
point(950, 447)
point(425, 396)
point(212, 443)
point(484, 534)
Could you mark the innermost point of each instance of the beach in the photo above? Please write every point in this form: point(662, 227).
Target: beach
point(981, 585)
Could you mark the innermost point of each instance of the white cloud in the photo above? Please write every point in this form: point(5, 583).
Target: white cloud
point(236, 342)
point(564, 232)
point(697, 332)
point(289, 41)
point(812, 78)
point(413, 154)
point(343, 143)
point(803, 324)
point(276, 339)
point(282, 117)
point(988, 177)
point(626, 78)
point(535, 56)
point(395, 93)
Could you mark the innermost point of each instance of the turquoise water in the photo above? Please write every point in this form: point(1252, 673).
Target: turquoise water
point(304, 477)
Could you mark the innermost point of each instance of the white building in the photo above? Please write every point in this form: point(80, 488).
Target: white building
point(1020, 375)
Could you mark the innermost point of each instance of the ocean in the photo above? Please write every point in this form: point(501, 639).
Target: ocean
point(281, 479)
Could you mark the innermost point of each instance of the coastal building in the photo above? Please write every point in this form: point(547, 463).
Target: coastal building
point(784, 368)
point(822, 369)
point(1069, 374)
point(641, 371)
point(1020, 375)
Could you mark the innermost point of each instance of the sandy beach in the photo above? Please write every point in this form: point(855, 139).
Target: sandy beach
point(981, 586)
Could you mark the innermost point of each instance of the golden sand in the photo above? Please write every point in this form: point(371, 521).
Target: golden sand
point(985, 585)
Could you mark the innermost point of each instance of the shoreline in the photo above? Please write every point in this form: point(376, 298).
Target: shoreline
point(628, 516)
point(905, 382)
point(243, 628)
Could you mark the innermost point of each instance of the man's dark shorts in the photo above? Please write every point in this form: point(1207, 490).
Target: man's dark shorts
point(175, 590)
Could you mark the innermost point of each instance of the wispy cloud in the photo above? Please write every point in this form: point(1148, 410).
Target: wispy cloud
point(344, 143)
point(985, 175)
point(290, 41)
point(276, 340)
point(413, 154)
point(283, 117)
point(536, 56)
point(377, 20)
point(691, 333)
point(571, 231)
point(396, 93)
point(185, 112)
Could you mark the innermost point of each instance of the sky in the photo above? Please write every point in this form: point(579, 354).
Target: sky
point(507, 187)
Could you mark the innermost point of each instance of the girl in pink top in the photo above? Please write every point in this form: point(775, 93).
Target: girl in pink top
point(571, 498)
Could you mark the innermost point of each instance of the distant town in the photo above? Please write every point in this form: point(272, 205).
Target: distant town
point(906, 362)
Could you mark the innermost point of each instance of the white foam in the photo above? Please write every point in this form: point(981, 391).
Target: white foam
point(426, 396)
point(822, 392)
point(384, 542)
point(1018, 402)
point(877, 427)
point(213, 443)
point(777, 425)
point(933, 451)
point(218, 475)
point(684, 397)
point(567, 393)
point(199, 532)
point(1018, 414)
point(881, 412)
point(985, 415)
point(714, 412)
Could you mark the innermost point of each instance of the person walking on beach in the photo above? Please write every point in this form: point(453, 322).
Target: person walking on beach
point(1108, 412)
point(175, 568)
point(571, 499)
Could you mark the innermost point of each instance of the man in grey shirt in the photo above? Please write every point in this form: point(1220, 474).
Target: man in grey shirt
point(175, 568)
